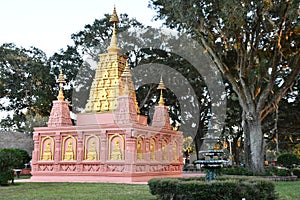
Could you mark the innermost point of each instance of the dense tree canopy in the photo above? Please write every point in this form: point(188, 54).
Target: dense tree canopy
point(27, 86)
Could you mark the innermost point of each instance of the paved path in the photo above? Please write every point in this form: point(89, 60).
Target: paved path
point(61, 179)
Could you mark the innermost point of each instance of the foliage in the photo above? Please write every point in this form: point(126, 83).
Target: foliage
point(9, 159)
point(287, 126)
point(296, 172)
point(276, 171)
point(237, 171)
point(288, 160)
point(27, 85)
point(255, 44)
point(25, 157)
point(270, 171)
point(193, 188)
point(5, 176)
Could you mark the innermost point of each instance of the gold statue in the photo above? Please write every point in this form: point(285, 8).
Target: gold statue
point(174, 150)
point(116, 153)
point(92, 153)
point(139, 150)
point(47, 154)
point(152, 153)
point(164, 152)
point(69, 154)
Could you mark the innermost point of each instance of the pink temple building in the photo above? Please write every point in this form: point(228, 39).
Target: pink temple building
point(111, 141)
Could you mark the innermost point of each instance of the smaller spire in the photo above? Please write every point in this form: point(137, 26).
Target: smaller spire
point(61, 81)
point(126, 89)
point(161, 87)
point(125, 75)
point(113, 47)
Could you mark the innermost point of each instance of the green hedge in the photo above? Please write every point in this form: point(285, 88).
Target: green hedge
point(296, 172)
point(223, 188)
point(288, 160)
point(270, 171)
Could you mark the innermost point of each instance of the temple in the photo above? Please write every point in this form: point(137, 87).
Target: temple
point(111, 141)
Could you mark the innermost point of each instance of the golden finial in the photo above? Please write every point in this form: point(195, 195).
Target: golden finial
point(114, 17)
point(61, 81)
point(161, 87)
point(113, 47)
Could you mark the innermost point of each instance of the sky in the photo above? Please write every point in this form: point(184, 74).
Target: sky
point(48, 25)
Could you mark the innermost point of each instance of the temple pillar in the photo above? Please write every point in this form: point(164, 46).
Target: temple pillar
point(57, 153)
point(35, 152)
point(103, 146)
point(130, 151)
point(80, 148)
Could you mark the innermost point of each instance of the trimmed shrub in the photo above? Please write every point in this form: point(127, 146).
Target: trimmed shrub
point(223, 188)
point(275, 171)
point(296, 172)
point(237, 171)
point(288, 160)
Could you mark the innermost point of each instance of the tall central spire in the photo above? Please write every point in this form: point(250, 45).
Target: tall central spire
point(113, 47)
point(112, 78)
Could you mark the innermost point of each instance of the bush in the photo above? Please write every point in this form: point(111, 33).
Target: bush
point(237, 171)
point(275, 171)
point(6, 176)
point(25, 157)
point(296, 172)
point(9, 159)
point(198, 188)
point(288, 160)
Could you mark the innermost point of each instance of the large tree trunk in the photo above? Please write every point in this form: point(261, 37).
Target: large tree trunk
point(253, 142)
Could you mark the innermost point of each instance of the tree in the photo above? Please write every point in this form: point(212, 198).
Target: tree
point(255, 44)
point(9, 159)
point(27, 86)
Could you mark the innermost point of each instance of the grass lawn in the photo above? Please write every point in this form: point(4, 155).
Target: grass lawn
point(26, 190)
point(288, 189)
point(41, 191)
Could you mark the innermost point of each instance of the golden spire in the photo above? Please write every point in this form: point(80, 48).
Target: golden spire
point(161, 87)
point(61, 81)
point(113, 47)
